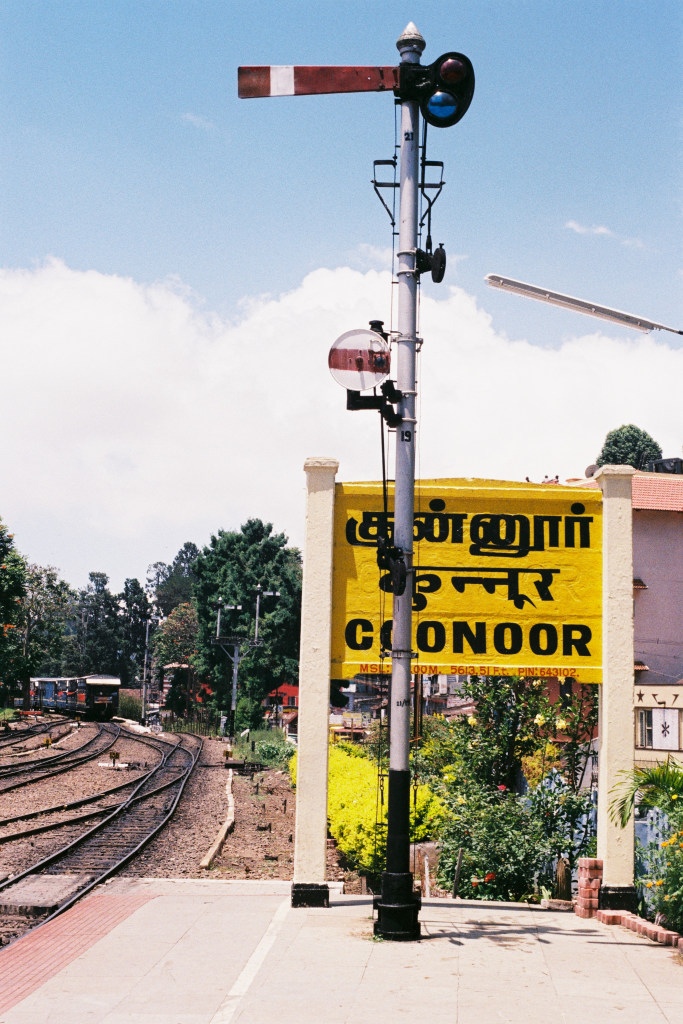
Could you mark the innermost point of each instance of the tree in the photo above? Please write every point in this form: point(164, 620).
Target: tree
point(171, 585)
point(135, 611)
point(659, 785)
point(176, 638)
point(42, 626)
point(12, 589)
point(476, 763)
point(175, 643)
point(96, 641)
point(513, 718)
point(231, 567)
point(628, 445)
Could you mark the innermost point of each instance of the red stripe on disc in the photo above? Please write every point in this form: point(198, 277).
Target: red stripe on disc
point(358, 359)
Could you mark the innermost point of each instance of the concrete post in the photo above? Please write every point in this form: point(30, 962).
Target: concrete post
point(616, 722)
point(309, 887)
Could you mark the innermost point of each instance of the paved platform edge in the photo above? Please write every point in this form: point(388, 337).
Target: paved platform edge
point(36, 957)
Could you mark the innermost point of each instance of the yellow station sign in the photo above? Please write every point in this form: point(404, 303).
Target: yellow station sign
point(507, 580)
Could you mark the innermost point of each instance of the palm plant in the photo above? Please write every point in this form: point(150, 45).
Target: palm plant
point(659, 785)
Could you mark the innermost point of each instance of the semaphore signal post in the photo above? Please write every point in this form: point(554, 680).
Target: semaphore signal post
point(441, 93)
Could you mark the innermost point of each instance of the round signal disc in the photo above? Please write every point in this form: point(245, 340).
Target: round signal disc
point(360, 360)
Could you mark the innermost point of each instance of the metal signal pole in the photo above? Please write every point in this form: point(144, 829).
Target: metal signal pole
point(397, 906)
point(442, 92)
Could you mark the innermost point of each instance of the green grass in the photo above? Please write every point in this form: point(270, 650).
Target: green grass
point(270, 747)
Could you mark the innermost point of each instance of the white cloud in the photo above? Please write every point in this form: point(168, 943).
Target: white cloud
point(132, 421)
point(581, 229)
point(600, 229)
point(199, 122)
point(371, 257)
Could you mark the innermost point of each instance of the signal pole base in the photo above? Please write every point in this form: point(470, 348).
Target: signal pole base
point(397, 908)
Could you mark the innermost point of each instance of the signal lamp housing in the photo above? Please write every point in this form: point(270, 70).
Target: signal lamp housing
point(443, 89)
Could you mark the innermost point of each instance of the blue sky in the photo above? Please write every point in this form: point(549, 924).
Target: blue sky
point(159, 237)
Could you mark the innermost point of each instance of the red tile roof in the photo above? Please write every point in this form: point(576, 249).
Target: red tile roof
point(658, 491)
point(653, 491)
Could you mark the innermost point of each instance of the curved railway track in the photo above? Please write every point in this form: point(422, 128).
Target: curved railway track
point(58, 880)
point(37, 769)
point(14, 736)
point(54, 817)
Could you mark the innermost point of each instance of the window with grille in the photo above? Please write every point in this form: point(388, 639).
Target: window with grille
point(645, 728)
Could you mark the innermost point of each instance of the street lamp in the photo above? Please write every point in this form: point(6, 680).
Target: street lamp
point(262, 593)
point(531, 291)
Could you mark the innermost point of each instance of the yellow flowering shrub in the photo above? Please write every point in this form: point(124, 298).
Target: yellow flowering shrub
point(546, 759)
point(353, 806)
point(666, 887)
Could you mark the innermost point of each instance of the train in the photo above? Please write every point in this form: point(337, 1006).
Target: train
point(91, 696)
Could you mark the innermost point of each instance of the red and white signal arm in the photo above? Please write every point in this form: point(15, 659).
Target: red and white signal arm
point(301, 80)
point(360, 360)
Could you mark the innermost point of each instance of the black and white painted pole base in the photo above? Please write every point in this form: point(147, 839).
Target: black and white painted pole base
point(398, 905)
point(397, 908)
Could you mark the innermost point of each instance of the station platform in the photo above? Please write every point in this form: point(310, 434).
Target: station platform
point(154, 951)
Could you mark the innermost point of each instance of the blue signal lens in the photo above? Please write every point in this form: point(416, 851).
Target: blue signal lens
point(442, 105)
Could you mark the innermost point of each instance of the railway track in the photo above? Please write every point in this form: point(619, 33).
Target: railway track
point(23, 774)
point(58, 880)
point(56, 816)
point(14, 736)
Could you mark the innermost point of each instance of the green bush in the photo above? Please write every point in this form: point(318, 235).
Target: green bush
point(130, 707)
point(502, 843)
point(270, 747)
point(273, 752)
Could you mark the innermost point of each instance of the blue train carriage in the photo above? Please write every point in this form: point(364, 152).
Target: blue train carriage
point(54, 693)
point(44, 690)
point(93, 696)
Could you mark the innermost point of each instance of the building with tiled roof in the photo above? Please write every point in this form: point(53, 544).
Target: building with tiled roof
point(661, 491)
point(657, 500)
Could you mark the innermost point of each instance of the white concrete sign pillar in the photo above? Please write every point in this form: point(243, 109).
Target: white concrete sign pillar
point(616, 722)
point(309, 886)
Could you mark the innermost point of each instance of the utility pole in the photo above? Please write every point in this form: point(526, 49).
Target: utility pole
point(144, 670)
point(260, 592)
point(231, 646)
